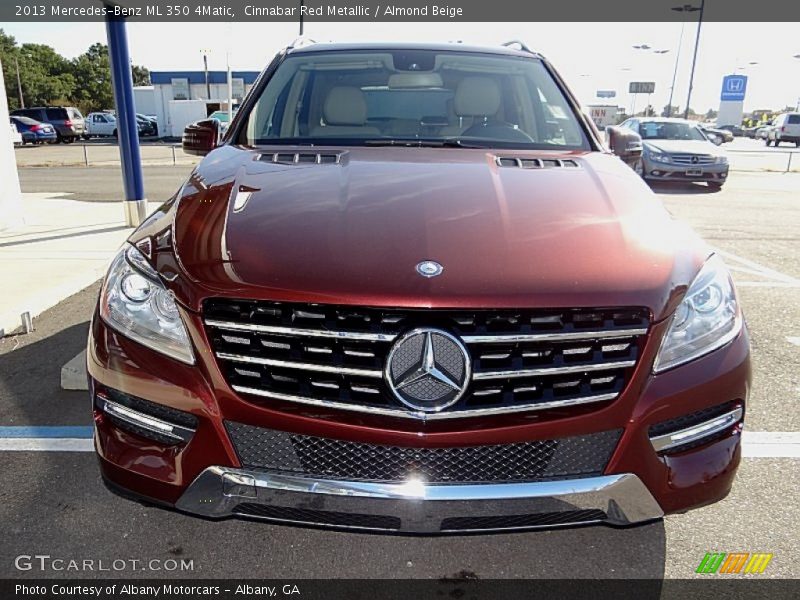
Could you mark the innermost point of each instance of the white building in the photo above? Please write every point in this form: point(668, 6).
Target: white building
point(172, 88)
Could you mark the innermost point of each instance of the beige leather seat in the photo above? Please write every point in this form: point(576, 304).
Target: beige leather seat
point(476, 99)
point(345, 114)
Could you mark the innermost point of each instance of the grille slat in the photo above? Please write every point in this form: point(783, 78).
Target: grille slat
point(521, 359)
point(260, 448)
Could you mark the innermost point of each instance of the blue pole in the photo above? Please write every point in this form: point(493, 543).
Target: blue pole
point(127, 129)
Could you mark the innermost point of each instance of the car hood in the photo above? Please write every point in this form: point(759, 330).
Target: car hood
point(353, 231)
point(683, 146)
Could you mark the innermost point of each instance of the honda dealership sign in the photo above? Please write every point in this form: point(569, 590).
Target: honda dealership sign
point(731, 105)
point(733, 88)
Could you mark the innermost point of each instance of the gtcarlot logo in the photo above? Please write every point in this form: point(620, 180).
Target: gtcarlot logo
point(47, 563)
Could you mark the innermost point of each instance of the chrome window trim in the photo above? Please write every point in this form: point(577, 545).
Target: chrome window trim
point(423, 416)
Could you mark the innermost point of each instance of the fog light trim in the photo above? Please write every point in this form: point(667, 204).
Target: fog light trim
point(138, 419)
point(697, 432)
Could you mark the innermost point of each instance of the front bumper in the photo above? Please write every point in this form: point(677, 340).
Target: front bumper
point(206, 476)
point(416, 507)
point(658, 171)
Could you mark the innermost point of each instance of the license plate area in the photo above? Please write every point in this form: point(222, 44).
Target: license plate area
point(694, 172)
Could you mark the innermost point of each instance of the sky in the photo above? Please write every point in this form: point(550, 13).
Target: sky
point(590, 56)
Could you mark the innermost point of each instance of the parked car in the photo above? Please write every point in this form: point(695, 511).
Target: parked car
point(762, 132)
point(104, 124)
point(785, 128)
point(426, 298)
point(147, 125)
point(101, 124)
point(67, 120)
point(735, 130)
point(222, 117)
point(16, 138)
point(750, 132)
point(34, 132)
point(678, 150)
point(714, 134)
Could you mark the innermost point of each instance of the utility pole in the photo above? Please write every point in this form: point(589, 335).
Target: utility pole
point(675, 72)
point(205, 69)
point(694, 59)
point(19, 85)
point(302, 4)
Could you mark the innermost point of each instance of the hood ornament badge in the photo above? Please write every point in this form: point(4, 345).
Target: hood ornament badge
point(429, 268)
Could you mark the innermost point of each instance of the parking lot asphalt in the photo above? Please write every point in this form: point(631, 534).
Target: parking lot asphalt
point(54, 503)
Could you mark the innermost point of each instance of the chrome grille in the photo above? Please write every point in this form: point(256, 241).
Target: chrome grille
point(325, 458)
point(332, 355)
point(692, 159)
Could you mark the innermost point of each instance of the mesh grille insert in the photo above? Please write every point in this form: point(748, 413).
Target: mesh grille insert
point(324, 458)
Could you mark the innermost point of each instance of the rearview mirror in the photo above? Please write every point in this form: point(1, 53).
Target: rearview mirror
point(201, 137)
point(625, 143)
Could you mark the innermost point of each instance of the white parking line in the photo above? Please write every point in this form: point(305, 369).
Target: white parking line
point(743, 265)
point(755, 444)
point(771, 444)
point(46, 445)
point(793, 340)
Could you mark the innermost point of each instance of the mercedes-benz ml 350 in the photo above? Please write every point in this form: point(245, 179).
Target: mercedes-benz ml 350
point(412, 289)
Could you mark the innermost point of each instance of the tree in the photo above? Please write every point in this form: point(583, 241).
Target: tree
point(141, 75)
point(92, 71)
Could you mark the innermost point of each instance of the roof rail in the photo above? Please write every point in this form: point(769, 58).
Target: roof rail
point(520, 45)
point(302, 41)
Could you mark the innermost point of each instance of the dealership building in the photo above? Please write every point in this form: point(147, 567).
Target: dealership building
point(178, 98)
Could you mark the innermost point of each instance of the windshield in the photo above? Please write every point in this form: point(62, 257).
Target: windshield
point(667, 130)
point(413, 97)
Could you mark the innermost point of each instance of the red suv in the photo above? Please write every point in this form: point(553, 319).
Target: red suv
point(411, 290)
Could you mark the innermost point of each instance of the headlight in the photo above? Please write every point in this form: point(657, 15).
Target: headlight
point(707, 318)
point(136, 303)
point(659, 157)
point(721, 160)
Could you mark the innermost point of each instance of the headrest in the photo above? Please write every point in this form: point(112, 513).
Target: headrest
point(477, 97)
point(345, 105)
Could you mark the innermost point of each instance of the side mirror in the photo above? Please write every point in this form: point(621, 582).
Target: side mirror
point(625, 143)
point(201, 137)
point(716, 139)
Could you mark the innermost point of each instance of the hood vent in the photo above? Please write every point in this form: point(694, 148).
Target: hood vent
point(302, 158)
point(534, 163)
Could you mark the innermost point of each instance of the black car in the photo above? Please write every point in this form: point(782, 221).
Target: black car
point(67, 120)
point(147, 126)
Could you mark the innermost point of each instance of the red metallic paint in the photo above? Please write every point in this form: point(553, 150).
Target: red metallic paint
point(593, 236)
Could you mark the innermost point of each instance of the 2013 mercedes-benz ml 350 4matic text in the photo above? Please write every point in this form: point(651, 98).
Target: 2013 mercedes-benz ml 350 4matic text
point(412, 290)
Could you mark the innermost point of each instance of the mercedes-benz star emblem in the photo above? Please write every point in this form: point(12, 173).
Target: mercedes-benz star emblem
point(429, 268)
point(428, 369)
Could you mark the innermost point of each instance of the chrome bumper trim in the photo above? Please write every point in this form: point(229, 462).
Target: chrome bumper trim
point(148, 422)
point(696, 432)
point(421, 507)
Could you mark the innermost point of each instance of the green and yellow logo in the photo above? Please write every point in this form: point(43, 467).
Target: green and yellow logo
point(734, 562)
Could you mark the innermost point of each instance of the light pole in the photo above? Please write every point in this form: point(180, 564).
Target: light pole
point(689, 8)
point(648, 48)
point(797, 108)
point(302, 4)
point(19, 85)
point(205, 69)
point(677, 62)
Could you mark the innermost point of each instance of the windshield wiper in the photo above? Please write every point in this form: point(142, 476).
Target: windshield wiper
point(413, 143)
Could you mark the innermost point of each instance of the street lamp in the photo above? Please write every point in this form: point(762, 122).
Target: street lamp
point(205, 54)
point(687, 8)
point(19, 85)
point(646, 47)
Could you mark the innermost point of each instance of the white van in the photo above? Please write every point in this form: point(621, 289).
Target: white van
point(785, 128)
